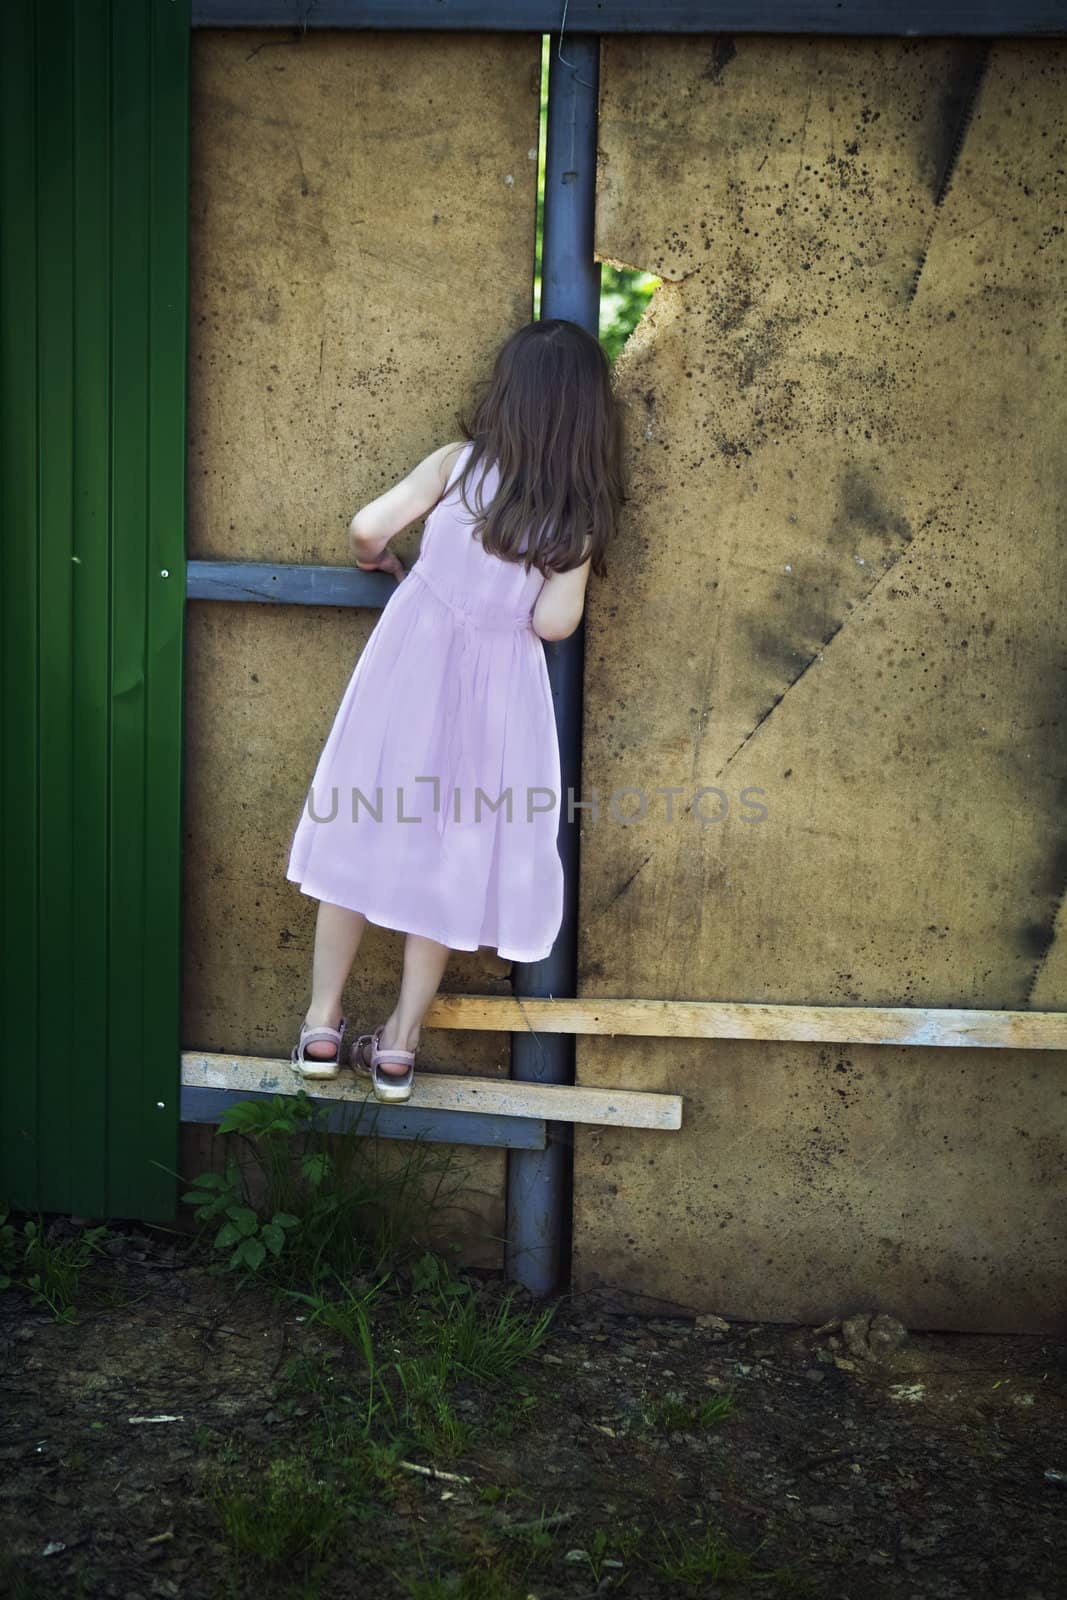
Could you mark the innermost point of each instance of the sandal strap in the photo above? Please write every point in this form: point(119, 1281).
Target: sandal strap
point(404, 1057)
point(307, 1034)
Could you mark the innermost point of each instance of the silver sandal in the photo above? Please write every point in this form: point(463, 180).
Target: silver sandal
point(310, 1066)
point(388, 1085)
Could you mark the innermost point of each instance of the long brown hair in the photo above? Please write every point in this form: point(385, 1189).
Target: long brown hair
point(551, 422)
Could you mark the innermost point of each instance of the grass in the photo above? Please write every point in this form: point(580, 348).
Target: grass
point(424, 1361)
point(672, 1411)
point(422, 1347)
point(49, 1270)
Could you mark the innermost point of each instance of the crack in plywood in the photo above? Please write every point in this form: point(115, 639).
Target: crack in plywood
point(622, 888)
point(975, 65)
point(815, 656)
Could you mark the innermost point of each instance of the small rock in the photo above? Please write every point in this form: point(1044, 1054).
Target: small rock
point(854, 1330)
point(874, 1337)
point(886, 1334)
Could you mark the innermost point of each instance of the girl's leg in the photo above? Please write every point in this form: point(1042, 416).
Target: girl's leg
point(424, 967)
point(337, 935)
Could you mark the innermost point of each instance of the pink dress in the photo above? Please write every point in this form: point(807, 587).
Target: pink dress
point(435, 805)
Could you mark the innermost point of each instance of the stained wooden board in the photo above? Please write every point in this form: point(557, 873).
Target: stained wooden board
point(719, 1019)
point(620, 1108)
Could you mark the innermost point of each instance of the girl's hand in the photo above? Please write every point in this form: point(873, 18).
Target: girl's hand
point(388, 561)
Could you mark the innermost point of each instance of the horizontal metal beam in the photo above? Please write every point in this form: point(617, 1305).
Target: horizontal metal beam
point(382, 1121)
point(895, 18)
point(278, 583)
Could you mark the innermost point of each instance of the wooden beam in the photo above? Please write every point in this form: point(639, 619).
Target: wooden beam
point(897, 18)
point(722, 1019)
point(440, 1091)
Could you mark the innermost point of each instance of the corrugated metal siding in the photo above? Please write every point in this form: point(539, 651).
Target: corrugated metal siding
point(93, 304)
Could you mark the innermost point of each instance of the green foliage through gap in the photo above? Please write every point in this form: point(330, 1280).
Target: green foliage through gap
point(624, 293)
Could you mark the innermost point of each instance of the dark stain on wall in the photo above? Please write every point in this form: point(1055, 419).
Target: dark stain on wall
point(1037, 938)
point(723, 52)
point(862, 509)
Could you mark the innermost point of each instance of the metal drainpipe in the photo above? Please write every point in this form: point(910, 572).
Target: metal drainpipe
point(540, 1182)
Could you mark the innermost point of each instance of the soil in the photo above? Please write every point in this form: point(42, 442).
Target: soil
point(857, 1461)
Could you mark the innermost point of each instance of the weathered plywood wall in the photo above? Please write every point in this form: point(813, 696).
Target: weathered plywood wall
point(362, 237)
point(840, 584)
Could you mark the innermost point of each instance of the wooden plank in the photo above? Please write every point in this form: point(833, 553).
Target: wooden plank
point(281, 583)
point(369, 1118)
point(910, 18)
point(440, 1091)
point(721, 1019)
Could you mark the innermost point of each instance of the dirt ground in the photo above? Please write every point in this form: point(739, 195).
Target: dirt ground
point(850, 1468)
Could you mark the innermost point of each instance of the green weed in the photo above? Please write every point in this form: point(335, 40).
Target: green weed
point(710, 1556)
point(50, 1271)
point(287, 1518)
point(673, 1411)
point(327, 1212)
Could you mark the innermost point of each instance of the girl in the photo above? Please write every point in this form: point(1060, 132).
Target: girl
point(433, 808)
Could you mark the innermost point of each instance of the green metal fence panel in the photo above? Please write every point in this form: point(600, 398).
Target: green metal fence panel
point(93, 329)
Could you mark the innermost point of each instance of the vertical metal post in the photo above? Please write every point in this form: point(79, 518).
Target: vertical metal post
point(540, 1182)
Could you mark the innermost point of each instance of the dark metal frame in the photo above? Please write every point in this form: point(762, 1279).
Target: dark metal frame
point(383, 1121)
point(893, 18)
point(285, 584)
point(540, 1173)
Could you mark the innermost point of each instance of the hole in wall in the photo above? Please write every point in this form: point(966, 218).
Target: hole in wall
point(624, 296)
point(624, 291)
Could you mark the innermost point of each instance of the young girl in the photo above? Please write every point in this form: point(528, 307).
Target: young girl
point(435, 805)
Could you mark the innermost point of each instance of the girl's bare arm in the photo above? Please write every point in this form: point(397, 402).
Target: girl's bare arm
point(558, 608)
point(415, 496)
